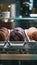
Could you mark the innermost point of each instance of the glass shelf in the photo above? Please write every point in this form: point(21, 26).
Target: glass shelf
point(18, 18)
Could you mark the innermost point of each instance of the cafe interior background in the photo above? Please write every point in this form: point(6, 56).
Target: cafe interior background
point(21, 12)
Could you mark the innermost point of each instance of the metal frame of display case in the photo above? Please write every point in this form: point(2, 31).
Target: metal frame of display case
point(20, 18)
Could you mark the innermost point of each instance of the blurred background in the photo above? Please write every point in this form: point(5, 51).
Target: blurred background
point(20, 8)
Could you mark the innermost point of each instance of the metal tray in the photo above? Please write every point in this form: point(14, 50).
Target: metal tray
point(28, 47)
point(17, 43)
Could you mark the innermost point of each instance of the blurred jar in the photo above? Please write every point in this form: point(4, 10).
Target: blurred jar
point(6, 22)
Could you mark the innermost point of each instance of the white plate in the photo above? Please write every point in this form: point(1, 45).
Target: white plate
point(33, 15)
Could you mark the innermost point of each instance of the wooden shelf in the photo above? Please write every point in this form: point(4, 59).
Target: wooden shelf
point(18, 56)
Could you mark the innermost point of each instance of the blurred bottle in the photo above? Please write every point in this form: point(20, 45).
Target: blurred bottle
point(31, 6)
point(24, 10)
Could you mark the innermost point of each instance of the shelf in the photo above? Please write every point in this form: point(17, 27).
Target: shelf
point(18, 18)
point(18, 56)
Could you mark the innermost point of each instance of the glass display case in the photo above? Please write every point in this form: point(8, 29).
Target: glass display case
point(26, 50)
